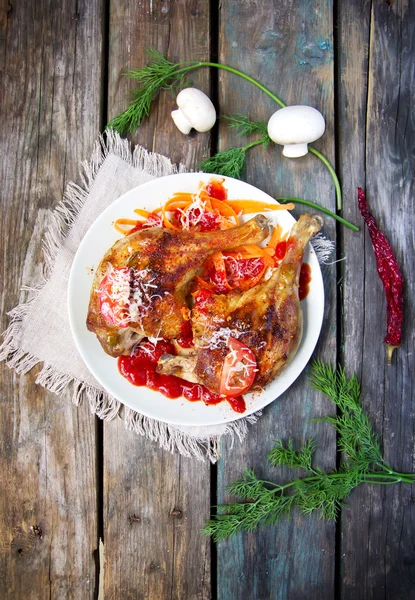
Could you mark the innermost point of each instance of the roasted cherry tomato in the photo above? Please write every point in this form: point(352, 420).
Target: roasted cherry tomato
point(216, 189)
point(209, 221)
point(153, 220)
point(244, 273)
point(114, 294)
point(239, 369)
point(217, 274)
point(227, 272)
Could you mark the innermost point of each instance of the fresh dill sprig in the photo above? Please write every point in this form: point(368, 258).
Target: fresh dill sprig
point(231, 163)
point(244, 126)
point(362, 462)
point(159, 74)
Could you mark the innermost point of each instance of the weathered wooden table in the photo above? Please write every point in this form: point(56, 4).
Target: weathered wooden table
point(80, 480)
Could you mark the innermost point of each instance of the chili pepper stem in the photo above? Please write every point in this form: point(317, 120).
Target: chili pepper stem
point(389, 352)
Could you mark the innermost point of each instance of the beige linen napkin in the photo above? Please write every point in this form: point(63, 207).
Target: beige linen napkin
point(39, 330)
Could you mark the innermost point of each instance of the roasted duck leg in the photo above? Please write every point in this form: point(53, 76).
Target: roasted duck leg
point(141, 284)
point(266, 318)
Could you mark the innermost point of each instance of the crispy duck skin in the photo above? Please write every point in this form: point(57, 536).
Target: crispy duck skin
point(267, 318)
point(167, 261)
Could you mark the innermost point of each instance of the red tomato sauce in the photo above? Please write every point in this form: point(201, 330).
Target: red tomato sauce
point(185, 339)
point(305, 279)
point(140, 370)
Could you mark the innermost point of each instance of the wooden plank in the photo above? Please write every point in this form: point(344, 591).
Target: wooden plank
point(50, 116)
point(161, 556)
point(288, 47)
point(378, 524)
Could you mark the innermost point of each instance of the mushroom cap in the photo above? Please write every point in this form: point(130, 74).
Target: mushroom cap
point(296, 124)
point(197, 108)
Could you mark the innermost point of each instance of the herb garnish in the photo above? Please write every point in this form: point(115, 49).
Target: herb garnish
point(362, 462)
point(161, 74)
point(231, 163)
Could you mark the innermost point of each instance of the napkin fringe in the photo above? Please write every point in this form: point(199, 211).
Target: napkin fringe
point(178, 440)
point(75, 195)
point(171, 438)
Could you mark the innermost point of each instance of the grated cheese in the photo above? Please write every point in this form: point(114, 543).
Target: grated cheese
point(219, 338)
point(193, 213)
point(130, 290)
point(248, 270)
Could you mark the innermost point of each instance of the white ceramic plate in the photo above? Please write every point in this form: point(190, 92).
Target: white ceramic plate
point(102, 235)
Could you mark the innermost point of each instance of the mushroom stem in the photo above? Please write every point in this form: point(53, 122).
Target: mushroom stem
point(295, 150)
point(181, 122)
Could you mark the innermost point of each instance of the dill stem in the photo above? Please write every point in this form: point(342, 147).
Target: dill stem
point(252, 144)
point(370, 477)
point(332, 173)
point(268, 92)
point(394, 477)
point(235, 72)
point(320, 208)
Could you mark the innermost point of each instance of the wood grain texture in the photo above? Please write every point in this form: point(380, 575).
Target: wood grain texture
point(377, 45)
point(288, 47)
point(162, 556)
point(51, 68)
point(50, 117)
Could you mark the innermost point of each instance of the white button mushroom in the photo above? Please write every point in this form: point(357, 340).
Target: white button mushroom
point(195, 110)
point(294, 127)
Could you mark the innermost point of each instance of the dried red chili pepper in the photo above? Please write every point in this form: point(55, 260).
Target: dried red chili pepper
point(390, 275)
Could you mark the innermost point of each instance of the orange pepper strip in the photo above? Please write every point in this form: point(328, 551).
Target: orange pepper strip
point(174, 203)
point(218, 263)
point(201, 283)
point(269, 251)
point(275, 237)
point(166, 222)
point(142, 213)
point(207, 200)
point(203, 194)
point(224, 209)
point(268, 260)
point(253, 206)
point(118, 225)
point(182, 196)
point(179, 200)
point(252, 251)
